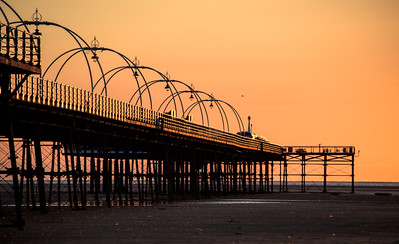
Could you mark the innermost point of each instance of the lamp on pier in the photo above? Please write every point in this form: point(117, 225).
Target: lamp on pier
point(167, 87)
point(211, 105)
point(94, 46)
point(136, 63)
point(37, 17)
point(192, 91)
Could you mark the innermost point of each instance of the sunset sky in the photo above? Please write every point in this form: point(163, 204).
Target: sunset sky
point(308, 72)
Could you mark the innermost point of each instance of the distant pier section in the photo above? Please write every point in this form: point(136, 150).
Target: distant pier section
point(318, 163)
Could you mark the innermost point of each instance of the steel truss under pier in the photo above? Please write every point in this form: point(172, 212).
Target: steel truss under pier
point(69, 174)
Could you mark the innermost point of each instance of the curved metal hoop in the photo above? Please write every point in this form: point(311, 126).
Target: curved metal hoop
point(136, 69)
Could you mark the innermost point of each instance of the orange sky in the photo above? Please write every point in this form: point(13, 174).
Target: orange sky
point(307, 72)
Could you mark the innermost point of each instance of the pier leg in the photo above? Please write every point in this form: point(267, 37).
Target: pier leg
point(19, 222)
point(261, 163)
point(68, 174)
point(303, 164)
point(5, 79)
point(325, 173)
point(353, 173)
point(40, 176)
point(271, 176)
point(52, 172)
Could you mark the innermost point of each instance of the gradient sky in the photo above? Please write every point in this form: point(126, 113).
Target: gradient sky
point(308, 72)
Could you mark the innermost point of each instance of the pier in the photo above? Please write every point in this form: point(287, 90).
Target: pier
point(66, 146)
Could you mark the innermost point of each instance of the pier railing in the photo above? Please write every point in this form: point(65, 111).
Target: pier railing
point(50, 93)
point(319, 149)
point(19, 45)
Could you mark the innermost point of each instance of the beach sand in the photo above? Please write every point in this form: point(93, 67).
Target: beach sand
point(252, 218)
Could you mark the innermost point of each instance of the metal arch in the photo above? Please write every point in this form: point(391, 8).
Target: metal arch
point(154, 82)
point(119, 69)
point(63, 65)
point(177, 93)
point(220, 108)
point(131, 65)
point(74, 36)
point(237, 115)
point(15, 12)
point(146, 84)
point(65, 53)
point(198, 98)
point(221, 111)
point(166, 79)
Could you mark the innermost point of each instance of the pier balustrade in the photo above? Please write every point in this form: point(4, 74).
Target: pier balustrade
point(19, 45)
point(50, 93)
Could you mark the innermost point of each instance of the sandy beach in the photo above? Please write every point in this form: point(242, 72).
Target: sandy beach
point(253, 218)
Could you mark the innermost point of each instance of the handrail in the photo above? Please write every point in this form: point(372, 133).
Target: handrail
point(19, 45)
point(318, 149)
point(50, 93)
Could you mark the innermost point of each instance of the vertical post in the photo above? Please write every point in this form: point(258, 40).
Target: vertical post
point(80, 175)
point(303, 164)
point(106, 174)
point(29, 175)
point(280, 185)
point(51, 172)
point(116, 179)
point(20, 222)
point(285, 175)
point(261, 176)
point(267, 176)
point(138, 178)
point(106, 181)
point(244, 177)
point(59, 174)
point(255, 175)
point(97, 180)
point(23, 173)
point(74, 174)
point(92, 174)
point(127, 177)
point(325, 172)
point(68, 174)
point(272, 175)
point(150, 175)
point(353, 172)
point(249, 164)
point(235, 174)
point(85, 177)
point(40, 175)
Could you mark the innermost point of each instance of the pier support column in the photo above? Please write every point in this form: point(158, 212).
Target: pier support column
point(5, 79)
point(325, 173)
point(40, 175)
point(353, 173)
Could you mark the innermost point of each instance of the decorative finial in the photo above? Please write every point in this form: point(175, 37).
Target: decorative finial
point(37, 17)
point(94, 46)
point(136, 62)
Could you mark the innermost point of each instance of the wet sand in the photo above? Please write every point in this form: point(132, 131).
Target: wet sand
point(254, 218)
